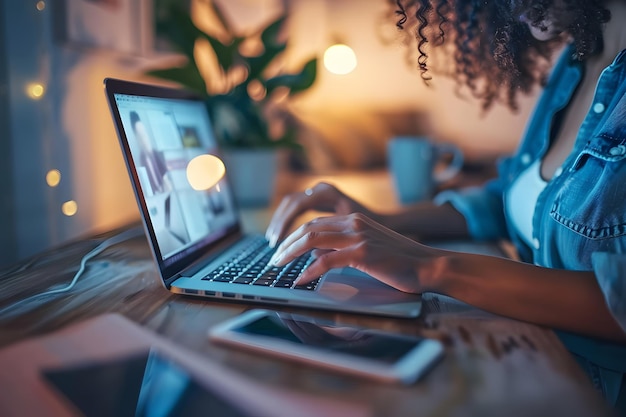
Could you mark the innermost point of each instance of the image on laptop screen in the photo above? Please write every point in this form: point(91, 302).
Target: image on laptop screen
point(164, 136)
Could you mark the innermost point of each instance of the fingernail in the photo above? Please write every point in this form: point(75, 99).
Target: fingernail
point(276, 258)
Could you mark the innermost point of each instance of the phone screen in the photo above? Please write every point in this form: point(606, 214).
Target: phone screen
point(364, 343)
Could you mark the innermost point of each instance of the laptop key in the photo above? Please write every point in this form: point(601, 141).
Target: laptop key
point(222, 279)
point(211, 276)
point(264, 282)
point(310, 286)
point(290, 275)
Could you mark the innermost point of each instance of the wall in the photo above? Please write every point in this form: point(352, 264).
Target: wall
point(7, 237)
point(68, 128)
point(27, 143)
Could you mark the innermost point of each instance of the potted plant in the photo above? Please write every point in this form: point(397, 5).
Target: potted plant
point(245, 106)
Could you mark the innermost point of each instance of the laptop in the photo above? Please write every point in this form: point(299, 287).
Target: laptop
point(195, 236)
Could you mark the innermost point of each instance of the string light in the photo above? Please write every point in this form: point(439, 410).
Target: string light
point(35, 90)
point(53, 177)
point(69, 208)
point(41, 5)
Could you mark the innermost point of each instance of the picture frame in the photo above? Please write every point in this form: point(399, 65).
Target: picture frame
point(124, 26)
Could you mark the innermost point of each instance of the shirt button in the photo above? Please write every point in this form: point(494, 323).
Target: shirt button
point(598, 108)
point(525, 158)
point(558, 171)
point(618, 150)
point(536, 243)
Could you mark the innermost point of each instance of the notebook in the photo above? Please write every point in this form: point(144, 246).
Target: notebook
point(195, 235)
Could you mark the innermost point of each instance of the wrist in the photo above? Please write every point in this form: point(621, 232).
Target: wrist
point(445, 273)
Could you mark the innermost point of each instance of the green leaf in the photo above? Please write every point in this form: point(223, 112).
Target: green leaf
point(258, 64)
point(269, 35)
point(271, 48)
point(295, 82)
point(227, 55)
point(179, 29)
point(238, 121)
point(289, 140)
point(188, 76)
point(243, 123)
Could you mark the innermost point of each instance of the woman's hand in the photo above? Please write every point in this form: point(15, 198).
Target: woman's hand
point(357, 241)
point(321, 197)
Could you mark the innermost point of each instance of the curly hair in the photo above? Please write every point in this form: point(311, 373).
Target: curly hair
point(494, 53)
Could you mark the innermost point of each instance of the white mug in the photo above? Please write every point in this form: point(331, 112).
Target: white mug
point(412, 162)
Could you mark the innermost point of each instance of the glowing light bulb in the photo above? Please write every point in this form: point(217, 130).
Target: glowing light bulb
point(340, 59)
point(35, 91)
point(53, 177)
point(205, 171)
point(69, 208)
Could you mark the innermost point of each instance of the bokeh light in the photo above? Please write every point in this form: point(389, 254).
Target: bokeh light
point(53, 177)
point(69, 208)
point(340, 59)
point(205, 171)
point(35, 90)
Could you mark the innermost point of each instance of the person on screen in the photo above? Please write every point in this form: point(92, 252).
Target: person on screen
point(569, 172)
point(150, 159)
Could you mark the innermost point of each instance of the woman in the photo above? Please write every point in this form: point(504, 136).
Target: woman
point(560, 198)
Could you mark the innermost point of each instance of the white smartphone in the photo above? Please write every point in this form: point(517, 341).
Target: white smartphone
point(356, 350)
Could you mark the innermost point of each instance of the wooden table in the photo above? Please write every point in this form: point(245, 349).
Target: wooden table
point(493, 365)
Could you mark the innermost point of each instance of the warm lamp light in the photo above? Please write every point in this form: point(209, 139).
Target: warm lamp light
point(340, 59)
point(41, 5)
point(205, 171)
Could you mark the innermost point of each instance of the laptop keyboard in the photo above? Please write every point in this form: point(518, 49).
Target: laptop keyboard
point(250, 267)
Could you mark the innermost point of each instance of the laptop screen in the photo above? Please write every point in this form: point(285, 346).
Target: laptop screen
point(163, 135)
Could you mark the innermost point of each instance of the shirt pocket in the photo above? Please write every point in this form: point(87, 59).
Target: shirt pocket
point(592, 196)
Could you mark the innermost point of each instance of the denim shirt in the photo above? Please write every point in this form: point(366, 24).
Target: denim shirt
point(579, 222)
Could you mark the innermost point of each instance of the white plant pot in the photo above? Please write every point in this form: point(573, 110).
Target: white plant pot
point(252, 175)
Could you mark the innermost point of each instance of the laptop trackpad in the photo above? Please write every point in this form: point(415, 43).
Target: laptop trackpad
point(349, 284)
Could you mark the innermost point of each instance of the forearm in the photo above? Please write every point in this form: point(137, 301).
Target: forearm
point(427, 221)
point(567, 300)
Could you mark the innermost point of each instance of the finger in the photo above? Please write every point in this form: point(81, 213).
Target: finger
point(354, 224)
point(324, 240)
point(323, 264)
point(321, 196)
point(316, 253)
point(318, 225)
point(287, 212)
point(281, 220)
